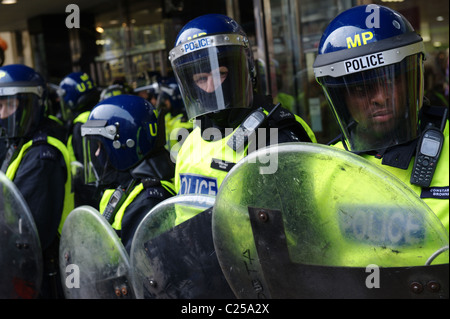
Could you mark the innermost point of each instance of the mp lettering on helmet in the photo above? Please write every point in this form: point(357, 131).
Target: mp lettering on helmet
point(2, 74)
point(359, 39)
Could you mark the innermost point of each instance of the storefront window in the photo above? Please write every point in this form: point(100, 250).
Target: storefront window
point(297, 27)
point(431, 21)
point(131, 41)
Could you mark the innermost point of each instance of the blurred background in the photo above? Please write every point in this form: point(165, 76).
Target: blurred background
point(130, 40)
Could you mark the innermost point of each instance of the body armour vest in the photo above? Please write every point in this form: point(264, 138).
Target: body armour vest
point(68, 194)
point(436, 196)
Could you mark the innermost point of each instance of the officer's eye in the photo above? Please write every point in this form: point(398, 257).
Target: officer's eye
point(223, 72)
point(200, 78)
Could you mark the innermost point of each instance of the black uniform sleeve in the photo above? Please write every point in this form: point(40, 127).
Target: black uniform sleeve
point(41, 179)
point(137, 210)
point(77, 142)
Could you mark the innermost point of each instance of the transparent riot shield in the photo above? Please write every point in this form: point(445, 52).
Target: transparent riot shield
point(172, 256)
point(93, 262)
point(326, 223)
point(21, 263)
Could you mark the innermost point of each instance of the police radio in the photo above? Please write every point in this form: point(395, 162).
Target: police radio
point(113, 204)
point(115, 201)
point(428, 151)
point(248, 128)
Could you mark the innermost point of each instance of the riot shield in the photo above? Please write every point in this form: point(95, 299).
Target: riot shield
point(326, 224)
point(93, 262)
point(173, 257)
point(21, 263)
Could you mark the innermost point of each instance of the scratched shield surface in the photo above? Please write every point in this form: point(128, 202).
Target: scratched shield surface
point(21, 263)
point(172, 254)
point(93, 261)
point(311, 228)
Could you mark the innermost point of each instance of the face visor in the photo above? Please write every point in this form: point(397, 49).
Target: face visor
point(66, 109)
point(99, 166)
point(72, 104)
point(20, 110)
point(378, 107)
point(213, 73)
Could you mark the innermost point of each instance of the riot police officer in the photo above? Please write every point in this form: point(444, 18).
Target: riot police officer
point(37, 159)
point(124, 154)
point(370, 66)
point(214, 67)
point(78, 95)
point(113, 90)
point(170, 101)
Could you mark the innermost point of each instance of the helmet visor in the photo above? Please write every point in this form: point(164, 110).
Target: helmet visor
point(214, 79)
point(98, 171)
point(377, 108)
point(18, 114)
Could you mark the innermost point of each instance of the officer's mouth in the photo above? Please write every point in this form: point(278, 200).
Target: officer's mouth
point(382, 115)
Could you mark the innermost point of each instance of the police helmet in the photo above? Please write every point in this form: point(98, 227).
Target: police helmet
point(170, 91)
point(113, 90)
point(370, 66)
point(78, 93)
point(23, 93)
point(119, 133)
point(213, 63)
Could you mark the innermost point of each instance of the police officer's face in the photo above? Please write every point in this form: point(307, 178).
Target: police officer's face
point(209, 82)
point(98, 150)
point(8, 105)
point(377, 106)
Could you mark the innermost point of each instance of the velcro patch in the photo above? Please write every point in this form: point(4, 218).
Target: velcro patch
point(435, 192)
point(47, 152)
point(154, 192)
point(222, 165)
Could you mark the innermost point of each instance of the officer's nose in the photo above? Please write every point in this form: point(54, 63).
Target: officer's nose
point(3, 109)
point(209, 85)
point(379, 95)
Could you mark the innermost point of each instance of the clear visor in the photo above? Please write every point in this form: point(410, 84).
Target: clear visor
point(66, 110)
point(16, 114)
point(378, 108)
point(97, 167)
point(214, 79)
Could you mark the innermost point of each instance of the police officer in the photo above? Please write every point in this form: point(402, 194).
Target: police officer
point(147, 86)
point(37, 160)
point(370, 66)
point(124, 154)
point(214, 67)
point(78, 95)
point(113, 90)
point(170, 101)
